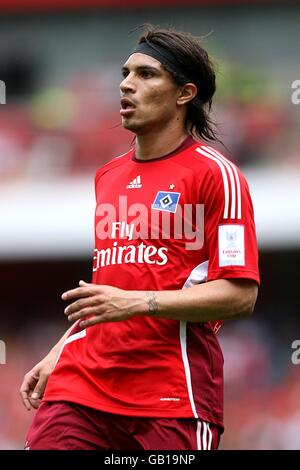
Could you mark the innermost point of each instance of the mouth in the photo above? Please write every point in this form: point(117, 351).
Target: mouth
point(127, 107)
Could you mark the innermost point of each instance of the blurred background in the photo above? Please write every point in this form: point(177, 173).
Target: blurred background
point(60, 61)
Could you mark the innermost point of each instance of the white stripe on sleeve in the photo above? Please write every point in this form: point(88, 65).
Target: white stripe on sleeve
point(237, 180)
point(232, 182)
point(224, 176)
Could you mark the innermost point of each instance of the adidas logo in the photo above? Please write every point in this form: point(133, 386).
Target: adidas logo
point(135, 183)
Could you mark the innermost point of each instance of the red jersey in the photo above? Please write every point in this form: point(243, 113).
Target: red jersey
point(163, 224)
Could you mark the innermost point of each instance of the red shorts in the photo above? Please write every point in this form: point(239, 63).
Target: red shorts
point(68, 426)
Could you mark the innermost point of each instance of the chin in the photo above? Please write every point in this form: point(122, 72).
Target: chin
point(130, 126)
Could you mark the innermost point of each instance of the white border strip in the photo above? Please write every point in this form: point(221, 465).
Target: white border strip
point(204, 435)
point(198, 435)
point(187, 366)
point(197, 276)
point(80, 334)
point(209, 437)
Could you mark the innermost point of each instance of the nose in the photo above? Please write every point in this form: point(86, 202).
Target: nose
point(127, 84)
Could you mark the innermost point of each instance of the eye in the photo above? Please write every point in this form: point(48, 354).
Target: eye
point(124, 73)
point(146, 74)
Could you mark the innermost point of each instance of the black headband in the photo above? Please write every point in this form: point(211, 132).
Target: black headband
point(164, 56)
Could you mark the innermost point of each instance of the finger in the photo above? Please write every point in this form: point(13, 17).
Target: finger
point(85, 312)
point(83, 283)
point(25, 399)
point(90, 322)
point(81, 304)
point(25, 389)
point(105, 318)
point(39, 389)
point(91, 285)
point(35, 403)
point(96, 319)
point(77, 293)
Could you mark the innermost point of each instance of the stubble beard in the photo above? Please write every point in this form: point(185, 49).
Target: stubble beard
point(133, 127)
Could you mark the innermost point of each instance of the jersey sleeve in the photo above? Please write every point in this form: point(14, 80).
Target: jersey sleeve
point(229, 228)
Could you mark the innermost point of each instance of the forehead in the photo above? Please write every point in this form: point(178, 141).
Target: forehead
point(142, 60)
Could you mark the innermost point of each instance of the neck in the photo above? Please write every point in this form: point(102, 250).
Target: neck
point(157, 144)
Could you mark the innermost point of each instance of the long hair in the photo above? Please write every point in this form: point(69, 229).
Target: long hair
point(197, 64)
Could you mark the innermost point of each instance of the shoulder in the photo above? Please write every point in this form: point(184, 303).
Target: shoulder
point(114, 163)
point(227, 182)
point(210, 165)
point(221, 182)
point(202, 156)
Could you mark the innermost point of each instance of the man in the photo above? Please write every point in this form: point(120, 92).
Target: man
point(175, 253)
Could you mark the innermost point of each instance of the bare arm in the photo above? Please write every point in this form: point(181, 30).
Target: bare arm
point(215, 300)
point(35, 381)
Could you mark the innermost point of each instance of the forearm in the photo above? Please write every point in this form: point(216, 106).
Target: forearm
point(215, 300)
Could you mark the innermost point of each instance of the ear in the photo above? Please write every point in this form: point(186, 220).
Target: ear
point(187, 93)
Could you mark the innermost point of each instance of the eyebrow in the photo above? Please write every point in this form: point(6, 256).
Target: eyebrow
point(142, 68)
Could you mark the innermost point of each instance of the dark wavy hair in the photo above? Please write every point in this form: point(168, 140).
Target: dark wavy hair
point(196, 63)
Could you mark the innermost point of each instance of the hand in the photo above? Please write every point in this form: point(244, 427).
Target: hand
point(35, 381)
point(99, 304)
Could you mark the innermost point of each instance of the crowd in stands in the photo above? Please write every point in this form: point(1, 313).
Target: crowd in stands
point(76, 127)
